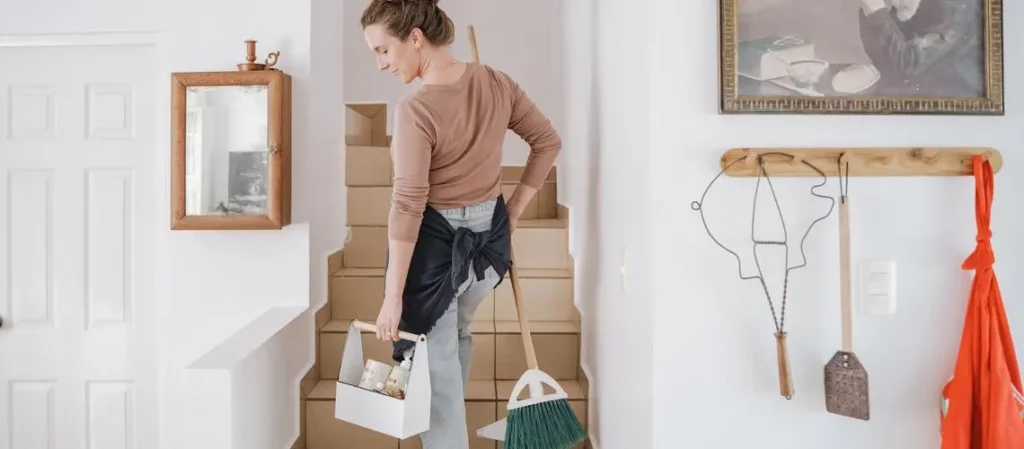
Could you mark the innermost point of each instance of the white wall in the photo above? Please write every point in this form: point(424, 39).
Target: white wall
point(715, 366)
point(603, 179)
point(212, 283)
point(247, 387)
point(515, 37)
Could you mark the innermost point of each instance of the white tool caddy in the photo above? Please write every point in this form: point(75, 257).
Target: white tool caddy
point(399, 418)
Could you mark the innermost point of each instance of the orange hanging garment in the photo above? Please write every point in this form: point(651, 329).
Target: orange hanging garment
point(982, 405)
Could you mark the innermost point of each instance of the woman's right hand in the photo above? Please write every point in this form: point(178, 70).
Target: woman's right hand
point(388, 318)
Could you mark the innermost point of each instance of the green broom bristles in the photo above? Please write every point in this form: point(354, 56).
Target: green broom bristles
point(546, 425)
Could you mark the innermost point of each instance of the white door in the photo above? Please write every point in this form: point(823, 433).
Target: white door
point(77, 155)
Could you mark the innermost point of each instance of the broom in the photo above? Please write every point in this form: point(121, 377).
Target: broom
point(540, 421)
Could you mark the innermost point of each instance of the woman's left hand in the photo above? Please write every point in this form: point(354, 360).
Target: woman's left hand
point(515, 210)
point(388, 318)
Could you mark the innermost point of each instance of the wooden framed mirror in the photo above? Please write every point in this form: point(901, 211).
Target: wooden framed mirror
point(231, 148)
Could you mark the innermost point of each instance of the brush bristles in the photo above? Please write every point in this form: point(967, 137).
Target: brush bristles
point(547, 425)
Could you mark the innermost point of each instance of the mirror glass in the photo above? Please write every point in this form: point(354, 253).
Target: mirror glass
point(226, 153)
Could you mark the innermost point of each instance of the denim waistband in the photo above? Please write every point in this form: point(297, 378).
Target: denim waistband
point(486, 207)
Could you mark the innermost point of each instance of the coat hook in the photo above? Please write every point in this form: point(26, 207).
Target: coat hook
point(844, 158)
point(986, 156)
point(751, 158)
point(926, 155)
point(930, 155)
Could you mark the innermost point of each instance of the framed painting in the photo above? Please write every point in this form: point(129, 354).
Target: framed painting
point(861, 57)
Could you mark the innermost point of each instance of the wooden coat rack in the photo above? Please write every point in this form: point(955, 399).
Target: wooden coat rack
point(864, 161)
point(818, 162)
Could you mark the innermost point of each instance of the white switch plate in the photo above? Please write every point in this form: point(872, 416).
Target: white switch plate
point(877, 287)
point(622, 270)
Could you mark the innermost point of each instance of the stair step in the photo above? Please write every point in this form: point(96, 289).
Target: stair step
point(485, 404)
point(538, 327)
point(547, 295)
point(497, 352)
point(549, 223)
point(368, 164)
point(535, 247)
point(483, 327)
point(370, 205)
point(476, 390)
point(546, 273)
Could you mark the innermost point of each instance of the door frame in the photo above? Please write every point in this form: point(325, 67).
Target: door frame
point(161, 176)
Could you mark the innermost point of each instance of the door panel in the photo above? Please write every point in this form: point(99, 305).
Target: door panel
point(77, 154)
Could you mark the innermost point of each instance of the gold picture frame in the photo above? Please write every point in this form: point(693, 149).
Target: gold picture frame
point(747, 86)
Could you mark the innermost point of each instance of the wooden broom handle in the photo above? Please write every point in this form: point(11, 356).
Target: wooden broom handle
point(472, 44)
point(524, 325)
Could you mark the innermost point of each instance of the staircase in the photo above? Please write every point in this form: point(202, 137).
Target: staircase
point(357, 284)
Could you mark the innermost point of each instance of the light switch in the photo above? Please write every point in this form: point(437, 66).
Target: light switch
point(877, 287)
point(878, 283)
point(622, 270)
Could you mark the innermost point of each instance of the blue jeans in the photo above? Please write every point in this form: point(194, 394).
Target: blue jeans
point(449, 343)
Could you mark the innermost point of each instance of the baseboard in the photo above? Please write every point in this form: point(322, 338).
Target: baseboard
point(591, 441)
point(570, 212)
point(590, 379)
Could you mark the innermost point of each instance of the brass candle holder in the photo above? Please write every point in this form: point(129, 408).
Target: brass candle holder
point(251, 64)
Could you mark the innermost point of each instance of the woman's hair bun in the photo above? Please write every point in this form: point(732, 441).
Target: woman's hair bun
point(401, 16)
point(406, 2)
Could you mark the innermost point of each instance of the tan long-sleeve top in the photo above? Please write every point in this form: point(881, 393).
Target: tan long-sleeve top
point(447, 145)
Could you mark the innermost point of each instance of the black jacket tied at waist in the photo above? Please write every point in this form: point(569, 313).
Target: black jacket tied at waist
point(441, 262)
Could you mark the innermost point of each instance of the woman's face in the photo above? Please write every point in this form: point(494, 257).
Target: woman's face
point(400, 58)
point(905, 9)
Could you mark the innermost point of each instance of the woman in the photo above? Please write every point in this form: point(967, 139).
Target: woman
point(929, 48)
point(449, 229)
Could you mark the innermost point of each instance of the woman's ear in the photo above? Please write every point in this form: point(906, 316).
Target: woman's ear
point(416, 38)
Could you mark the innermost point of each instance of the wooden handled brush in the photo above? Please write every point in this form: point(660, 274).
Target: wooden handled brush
point(524, 324)
point(472, 44)
point(541, 421)
point(846, 379)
